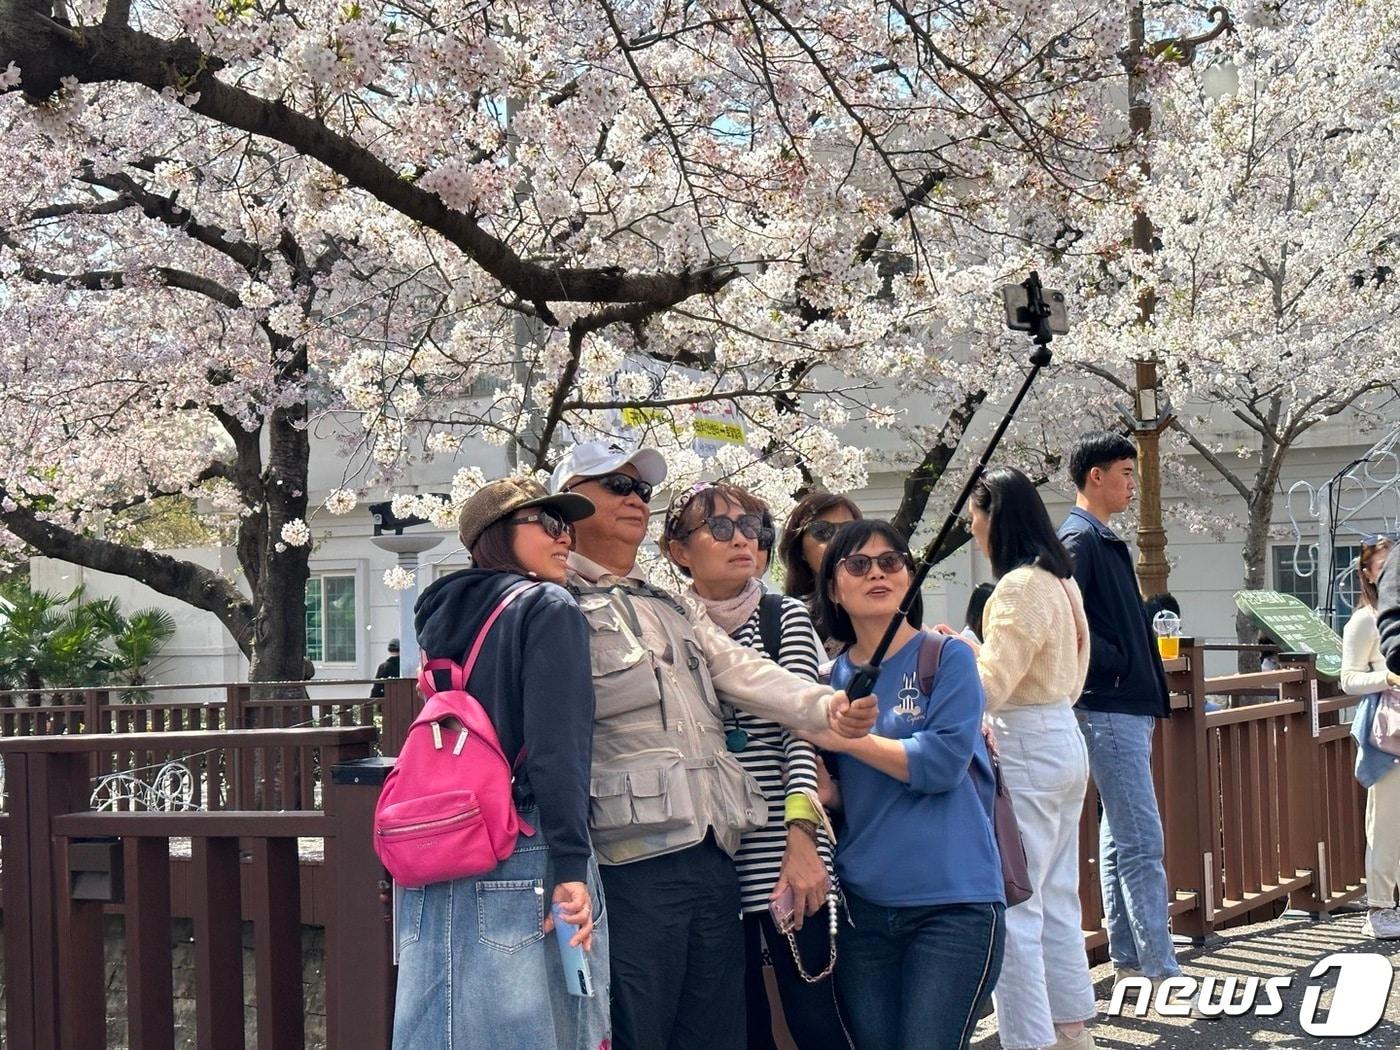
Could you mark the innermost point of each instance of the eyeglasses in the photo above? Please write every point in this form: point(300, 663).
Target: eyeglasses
point(822, 531)
point(619, 485)
point(722, 529)
point(550, 520)
point(890, 562)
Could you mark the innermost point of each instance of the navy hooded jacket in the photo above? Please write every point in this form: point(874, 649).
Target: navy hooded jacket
point(1125, 672)
point(534, 680)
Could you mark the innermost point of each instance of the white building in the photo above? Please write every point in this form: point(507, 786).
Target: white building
point(352, 615)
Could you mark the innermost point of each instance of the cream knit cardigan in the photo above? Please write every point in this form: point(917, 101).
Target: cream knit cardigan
point(1363, 666)
point(1037, 640)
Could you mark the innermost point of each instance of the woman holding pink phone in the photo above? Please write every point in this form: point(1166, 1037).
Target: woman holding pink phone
point(720, 536)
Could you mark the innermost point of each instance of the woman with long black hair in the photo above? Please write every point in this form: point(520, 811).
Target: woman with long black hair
point(1033, 661)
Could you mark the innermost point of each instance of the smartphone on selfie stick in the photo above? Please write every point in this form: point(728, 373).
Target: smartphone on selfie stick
point(578, 979)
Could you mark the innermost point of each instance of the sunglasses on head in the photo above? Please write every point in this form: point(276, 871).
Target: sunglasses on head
point(548, 519)
point(821, 531)
point(890, 562)
point(620, 485)
point(751, 525)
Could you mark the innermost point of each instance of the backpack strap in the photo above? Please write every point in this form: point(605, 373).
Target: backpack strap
point(628, 589)
point(930, 652)
point(461, 673)
point(770, 624)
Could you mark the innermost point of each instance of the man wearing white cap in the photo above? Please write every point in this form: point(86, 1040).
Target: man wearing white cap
point(669, 801)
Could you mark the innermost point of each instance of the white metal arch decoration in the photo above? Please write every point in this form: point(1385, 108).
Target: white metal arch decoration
point(1361, 499)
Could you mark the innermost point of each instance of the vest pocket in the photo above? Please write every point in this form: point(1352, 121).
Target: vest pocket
point(655, 798)
point(741, 801)
point(624, 679)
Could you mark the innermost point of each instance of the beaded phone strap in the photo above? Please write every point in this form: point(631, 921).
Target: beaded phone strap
point(831, 924)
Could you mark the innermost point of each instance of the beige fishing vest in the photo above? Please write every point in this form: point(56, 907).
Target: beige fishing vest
point(661, 773)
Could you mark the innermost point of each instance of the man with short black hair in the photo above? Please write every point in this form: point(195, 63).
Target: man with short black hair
point(1124, 695)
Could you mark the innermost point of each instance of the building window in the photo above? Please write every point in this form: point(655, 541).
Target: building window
point(1347, 590)
point(448, 568)
point(330, 619)
point(1297, 572)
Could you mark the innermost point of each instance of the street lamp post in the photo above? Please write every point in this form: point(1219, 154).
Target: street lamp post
point(389, 536)
point(1150, 415)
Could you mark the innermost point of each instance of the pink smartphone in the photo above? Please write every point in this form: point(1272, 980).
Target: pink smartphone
point(783, 908)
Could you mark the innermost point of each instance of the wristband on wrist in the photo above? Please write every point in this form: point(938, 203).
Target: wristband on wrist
point(799, 806)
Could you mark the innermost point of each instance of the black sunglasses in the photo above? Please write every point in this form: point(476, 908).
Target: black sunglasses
point(822, 531)
point(619, 485)
point(550, 520)
point(890, 562)
point(722, 529)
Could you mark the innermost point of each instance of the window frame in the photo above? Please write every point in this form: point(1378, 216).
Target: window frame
point(355, 570)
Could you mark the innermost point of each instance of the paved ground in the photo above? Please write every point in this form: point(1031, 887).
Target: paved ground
point(1288, 946)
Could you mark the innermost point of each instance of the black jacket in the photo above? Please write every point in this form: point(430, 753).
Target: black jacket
point(1388, 609)
point(534, 679)
point(388, 669)
point(1125, 672)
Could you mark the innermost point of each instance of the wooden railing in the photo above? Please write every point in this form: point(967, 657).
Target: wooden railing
point(65, 864)
point(1259, 805)
point(199, 708)
point(1258, 802)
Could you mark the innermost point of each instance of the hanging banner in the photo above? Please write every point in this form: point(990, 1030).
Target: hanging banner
point(716, 423)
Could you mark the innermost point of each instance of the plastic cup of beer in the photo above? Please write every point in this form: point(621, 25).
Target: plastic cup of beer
point(1167, 626)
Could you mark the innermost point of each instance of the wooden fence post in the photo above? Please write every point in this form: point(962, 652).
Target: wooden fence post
point(400, 706)
point(359, 974)
point(1187, 804)
point(54, 989)
point(1303, 792)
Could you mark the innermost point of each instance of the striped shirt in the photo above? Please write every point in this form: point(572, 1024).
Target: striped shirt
point(775, 757)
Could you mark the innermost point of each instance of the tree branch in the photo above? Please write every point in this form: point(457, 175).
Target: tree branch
point(47, 51)
point(185, 581)
point(1215, 461)
point(109, 280)
point(216, 469)
point(919, 483)
point(165, 210)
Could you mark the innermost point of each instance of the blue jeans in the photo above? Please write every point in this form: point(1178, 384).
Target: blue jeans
point(1133, 879)
point(476, 968)
point(917, 977)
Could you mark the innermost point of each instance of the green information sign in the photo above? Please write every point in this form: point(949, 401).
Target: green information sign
point(1293, 627)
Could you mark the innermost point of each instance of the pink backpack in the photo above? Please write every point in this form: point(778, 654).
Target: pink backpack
point(447, 810)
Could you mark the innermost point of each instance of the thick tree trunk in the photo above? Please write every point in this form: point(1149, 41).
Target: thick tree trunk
point(279, 649)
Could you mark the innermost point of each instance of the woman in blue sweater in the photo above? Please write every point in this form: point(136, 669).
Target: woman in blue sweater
point(918, 861)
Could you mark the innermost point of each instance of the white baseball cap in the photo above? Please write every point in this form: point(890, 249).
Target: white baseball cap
point(592, 459)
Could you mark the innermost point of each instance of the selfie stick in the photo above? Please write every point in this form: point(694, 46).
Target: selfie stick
point(1037, 313)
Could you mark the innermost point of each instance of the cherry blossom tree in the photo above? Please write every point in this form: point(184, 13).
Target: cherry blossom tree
point(224, 221)
point(1276, 204)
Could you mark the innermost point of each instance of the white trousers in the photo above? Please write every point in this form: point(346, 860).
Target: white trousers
point(1045, 970)
point(1383, 839)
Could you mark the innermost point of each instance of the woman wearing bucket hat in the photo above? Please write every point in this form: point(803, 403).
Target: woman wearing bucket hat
point(475, 965)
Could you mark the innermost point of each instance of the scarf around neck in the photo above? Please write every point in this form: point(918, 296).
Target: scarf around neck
point(731, 613)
